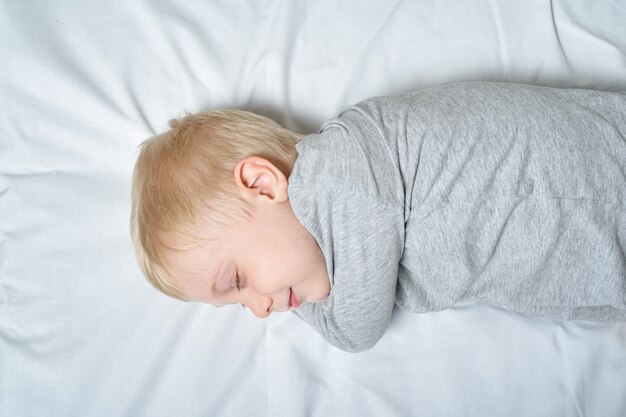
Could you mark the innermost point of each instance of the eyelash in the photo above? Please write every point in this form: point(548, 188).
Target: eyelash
point(237, 284)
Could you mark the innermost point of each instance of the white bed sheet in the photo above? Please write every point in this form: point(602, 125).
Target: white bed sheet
point(83, 83)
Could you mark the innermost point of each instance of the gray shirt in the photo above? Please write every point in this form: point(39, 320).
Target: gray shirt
point(505, 194)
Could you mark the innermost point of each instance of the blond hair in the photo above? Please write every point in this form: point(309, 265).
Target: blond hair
point(183, 187)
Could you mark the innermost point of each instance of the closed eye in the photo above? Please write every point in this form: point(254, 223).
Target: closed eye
point(238, 285)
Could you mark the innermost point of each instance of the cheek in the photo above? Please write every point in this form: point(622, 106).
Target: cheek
point(282, 261)
point(272, 271)
point(308, 263)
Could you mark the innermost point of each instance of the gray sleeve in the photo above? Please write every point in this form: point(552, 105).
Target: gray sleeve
point(344, 193)
point(368, 242)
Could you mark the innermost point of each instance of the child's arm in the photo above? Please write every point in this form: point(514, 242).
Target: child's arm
point(367, 243)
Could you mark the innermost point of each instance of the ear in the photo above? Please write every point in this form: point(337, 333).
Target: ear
point(257, 177)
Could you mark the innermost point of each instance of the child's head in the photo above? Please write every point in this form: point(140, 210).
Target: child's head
point(211, 211)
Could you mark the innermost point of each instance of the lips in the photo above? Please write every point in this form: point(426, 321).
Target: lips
point(293, 300)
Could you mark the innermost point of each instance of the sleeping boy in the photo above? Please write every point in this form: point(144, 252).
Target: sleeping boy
point(505, 194)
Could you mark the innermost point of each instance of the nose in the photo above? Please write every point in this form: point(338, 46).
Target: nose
point(261, 306)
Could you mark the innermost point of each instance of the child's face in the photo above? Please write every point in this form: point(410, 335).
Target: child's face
point(270, 256)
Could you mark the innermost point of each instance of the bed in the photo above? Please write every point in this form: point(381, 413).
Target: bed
point(83, 83)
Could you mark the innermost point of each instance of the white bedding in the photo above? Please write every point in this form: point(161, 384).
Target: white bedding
point(83, 83)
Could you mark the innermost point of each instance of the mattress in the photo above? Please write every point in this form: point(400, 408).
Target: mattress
point(82, 84)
